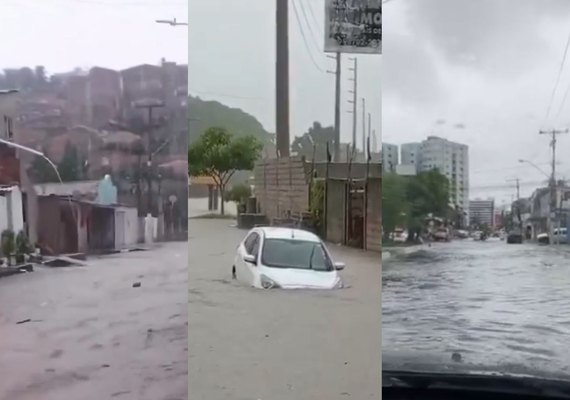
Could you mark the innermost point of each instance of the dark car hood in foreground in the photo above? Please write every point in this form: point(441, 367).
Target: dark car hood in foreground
point(444, 372)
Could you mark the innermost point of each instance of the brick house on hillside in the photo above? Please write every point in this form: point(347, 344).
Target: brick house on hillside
point(104, 96)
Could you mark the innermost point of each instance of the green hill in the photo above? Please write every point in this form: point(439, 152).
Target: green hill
point(206, 114)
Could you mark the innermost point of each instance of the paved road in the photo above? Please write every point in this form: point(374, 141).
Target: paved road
point(279, 345)
point(92, 335)
point(492, 302)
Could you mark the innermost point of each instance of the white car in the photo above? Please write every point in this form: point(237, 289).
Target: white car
point(272, 257)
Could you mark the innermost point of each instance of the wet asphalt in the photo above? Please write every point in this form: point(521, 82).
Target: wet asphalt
point(92, 335)
point(247, 343)
point(495, 304)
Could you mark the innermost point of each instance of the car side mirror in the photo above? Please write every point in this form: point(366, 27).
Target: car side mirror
point(250, 258)
point(339, 266)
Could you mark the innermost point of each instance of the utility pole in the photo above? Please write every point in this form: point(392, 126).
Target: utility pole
point(363, 124)
point(282, 78)
point(337, 73)
point(369, 126)
point(354, 100)
point(150, 130)
point(553, 185)
point(518, 210)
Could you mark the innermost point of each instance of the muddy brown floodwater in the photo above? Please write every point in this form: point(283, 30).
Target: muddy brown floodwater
point(255, 344)
point(92, 335)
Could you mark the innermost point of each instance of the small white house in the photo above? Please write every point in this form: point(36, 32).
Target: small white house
point(11, 209)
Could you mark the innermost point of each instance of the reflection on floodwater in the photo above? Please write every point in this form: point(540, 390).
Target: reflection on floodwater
point(492, 302)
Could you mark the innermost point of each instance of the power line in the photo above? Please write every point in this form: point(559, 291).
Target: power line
point(505, 169)
point(311, 33)
point(296, 12)
point(312, 12)
point(557, 79)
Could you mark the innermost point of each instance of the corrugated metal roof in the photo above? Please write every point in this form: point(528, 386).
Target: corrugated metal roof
point(6, 189)
point(67, 188)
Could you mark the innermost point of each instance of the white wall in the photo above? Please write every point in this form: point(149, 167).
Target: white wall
point(130, 227)
point(14, 221)
point(3, 213)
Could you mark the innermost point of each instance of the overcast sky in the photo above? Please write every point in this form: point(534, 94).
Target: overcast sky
point(232, 60)
point(64, 34)
point(488, 65)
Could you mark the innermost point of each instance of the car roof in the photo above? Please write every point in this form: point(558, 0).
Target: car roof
point(288, 233)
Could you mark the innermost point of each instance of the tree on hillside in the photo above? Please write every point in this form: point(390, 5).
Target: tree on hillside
point(315, 138)
point(41, 171)
point(40, 76)
point(219, 154)
point(73, 166)
point(205, 114)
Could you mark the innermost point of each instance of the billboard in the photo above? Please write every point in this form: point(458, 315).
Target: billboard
point(353, 26)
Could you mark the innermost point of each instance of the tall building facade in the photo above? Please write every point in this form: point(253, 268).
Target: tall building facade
point(410, 153)
point(452, 160)
point(390, 157)
point(482, 212)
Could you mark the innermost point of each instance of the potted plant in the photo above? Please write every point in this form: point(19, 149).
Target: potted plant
point(22, 247)
point(8, 245)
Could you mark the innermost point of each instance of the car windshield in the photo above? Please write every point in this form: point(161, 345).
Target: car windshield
point(298, 254)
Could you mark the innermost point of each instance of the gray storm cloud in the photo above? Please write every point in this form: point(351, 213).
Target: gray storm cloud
point(496, 37)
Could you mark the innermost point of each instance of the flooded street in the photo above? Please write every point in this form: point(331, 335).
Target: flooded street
point(247, 343)
point(92, 335)
point(492, 302)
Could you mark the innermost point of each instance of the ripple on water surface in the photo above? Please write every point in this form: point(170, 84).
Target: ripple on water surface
point(494, 302)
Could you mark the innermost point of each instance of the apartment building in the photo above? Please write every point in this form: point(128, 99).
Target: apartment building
point(452, 160)
point(390, 157)
point(482, 212)
point(410, 153)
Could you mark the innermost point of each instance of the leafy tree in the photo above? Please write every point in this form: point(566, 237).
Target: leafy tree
point(73, 166)
point(394, 202)
point(40, 76)
point(427, 193)
point(219, 154)
point(409, 200)
point(314, 140)
point(41, 171)
point(238, 194)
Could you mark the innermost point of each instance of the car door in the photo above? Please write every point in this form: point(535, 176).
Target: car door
point(243, 269)
point(252, 249)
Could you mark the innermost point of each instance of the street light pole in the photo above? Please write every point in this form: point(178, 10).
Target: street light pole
point(50, 162)
point(171, 22)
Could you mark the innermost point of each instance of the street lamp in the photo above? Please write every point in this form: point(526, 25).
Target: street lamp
point(32, 151)
point(8, 91)
point(172, 22)
point(536, 167)
point(46, 158)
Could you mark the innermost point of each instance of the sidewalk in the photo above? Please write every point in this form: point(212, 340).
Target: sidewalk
point(198, 207)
